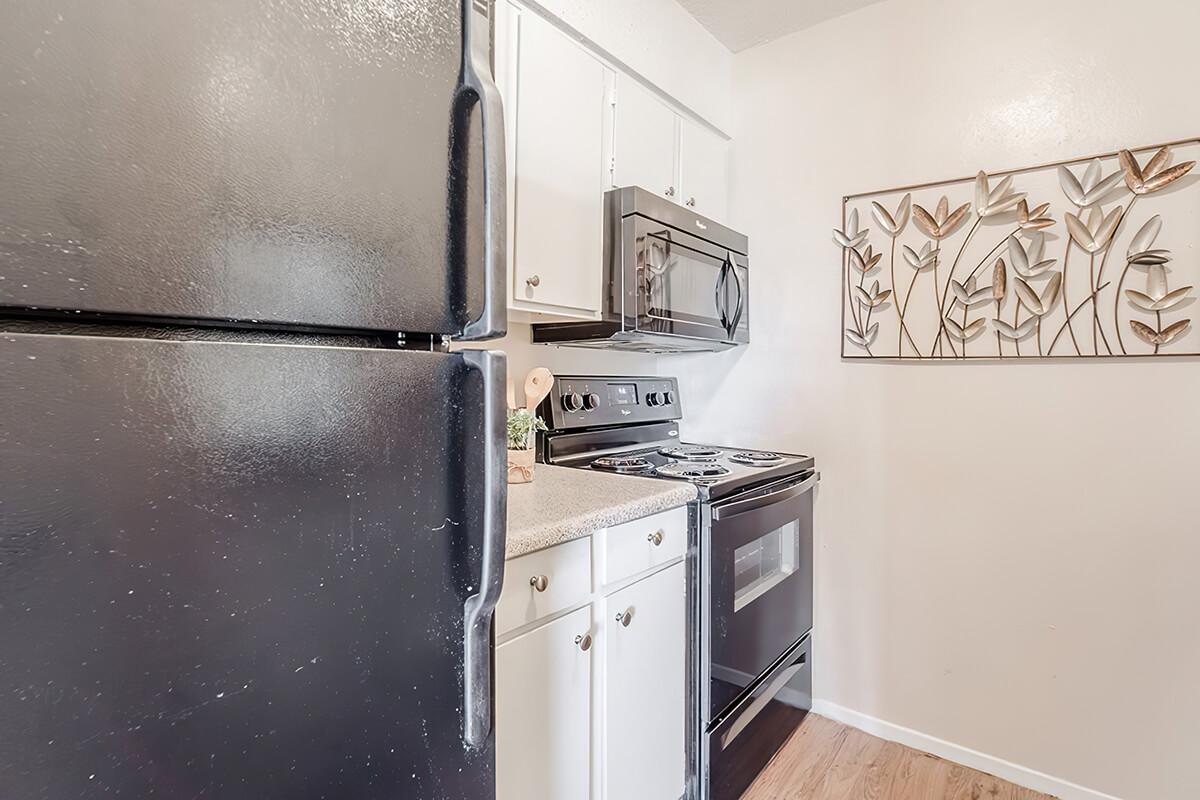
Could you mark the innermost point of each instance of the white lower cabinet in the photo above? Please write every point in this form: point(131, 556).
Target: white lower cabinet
point(644, 692)
point(591, 696)
point(543, 712)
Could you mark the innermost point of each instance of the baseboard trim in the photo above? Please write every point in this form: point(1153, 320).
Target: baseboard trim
point(1015, 773)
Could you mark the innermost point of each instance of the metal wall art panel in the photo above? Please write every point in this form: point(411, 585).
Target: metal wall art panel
point(1091, 258)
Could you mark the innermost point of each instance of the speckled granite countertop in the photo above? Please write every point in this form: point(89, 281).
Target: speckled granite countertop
point(563, 504)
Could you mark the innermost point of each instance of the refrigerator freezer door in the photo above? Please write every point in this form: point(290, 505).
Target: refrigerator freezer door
point(235, 570)
point(295, 162)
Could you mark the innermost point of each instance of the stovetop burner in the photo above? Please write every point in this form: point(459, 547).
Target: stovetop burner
point(756, 458)
point(683, 469)
point(622, 464)
point(691, 453)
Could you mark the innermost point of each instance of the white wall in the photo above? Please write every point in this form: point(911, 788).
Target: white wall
point(1008, 553)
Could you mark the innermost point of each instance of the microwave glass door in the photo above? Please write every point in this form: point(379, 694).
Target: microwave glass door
point(679, 285)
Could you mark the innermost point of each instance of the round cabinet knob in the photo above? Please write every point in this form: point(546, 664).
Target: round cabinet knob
point(691, 203)
point(625, 618)
point(540, 582)
point(533, 281)
point(584, 641)
point(591, 400)
point(655, 538)
point(670, 192)
point(572, 401)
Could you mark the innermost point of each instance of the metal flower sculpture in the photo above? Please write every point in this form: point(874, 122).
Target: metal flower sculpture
point(863, 339)
point(941, 223)
point(1033, 220)
point(1028, 261)
point(1095, 234)
point(873, 298)
point(983, 246)
point(851, 237)
point(1091, 188)
point(969, 295)
point(990, 202)
point(921, 260)
point(893, 224)
point(865, 261)
point(1039, 305)
point(1159, 337)
point(1157, 297)
point(1155, 175)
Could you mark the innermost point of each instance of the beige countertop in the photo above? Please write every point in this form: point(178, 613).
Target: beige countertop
point(562, 504)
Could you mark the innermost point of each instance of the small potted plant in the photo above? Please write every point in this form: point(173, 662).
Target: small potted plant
point(523, 426)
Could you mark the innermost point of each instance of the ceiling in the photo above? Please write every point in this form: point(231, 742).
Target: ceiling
point(740, 24)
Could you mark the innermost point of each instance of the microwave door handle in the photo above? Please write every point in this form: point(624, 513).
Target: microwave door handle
point(477, 83)
point(719, 295)
point(737, 314)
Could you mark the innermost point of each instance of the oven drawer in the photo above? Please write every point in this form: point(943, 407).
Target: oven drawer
point(539, 584)
point(635, 547)
point(746, 737)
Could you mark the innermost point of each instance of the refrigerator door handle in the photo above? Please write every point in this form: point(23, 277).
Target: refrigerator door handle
point(478, 82)
point(479, 608)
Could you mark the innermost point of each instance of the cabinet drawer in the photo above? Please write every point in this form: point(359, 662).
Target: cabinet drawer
point(634, 547)
point(541, 583)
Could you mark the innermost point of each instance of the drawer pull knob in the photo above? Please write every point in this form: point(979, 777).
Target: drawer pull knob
point(540, 582)
point(691, 203)
point(655, 538)
point(670, 192)
point(584, 641)
point(625, 618)
point(533, 281)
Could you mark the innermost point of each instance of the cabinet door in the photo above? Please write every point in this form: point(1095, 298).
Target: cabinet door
point(704, 171)
point(543, 712)
point(644, 140)
point(644, 693)
point(559, 171)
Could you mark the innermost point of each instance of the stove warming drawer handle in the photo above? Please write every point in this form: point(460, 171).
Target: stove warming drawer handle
point(753, 503)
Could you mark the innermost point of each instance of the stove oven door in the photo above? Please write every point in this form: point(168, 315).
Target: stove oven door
point(759, 588)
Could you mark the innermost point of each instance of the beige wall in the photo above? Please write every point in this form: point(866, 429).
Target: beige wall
point(1009, 554)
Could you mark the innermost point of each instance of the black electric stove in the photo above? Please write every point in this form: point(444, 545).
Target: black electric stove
point(750, 571)
point(630, 425)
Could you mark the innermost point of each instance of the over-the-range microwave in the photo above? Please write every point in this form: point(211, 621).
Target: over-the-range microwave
point(674, 282)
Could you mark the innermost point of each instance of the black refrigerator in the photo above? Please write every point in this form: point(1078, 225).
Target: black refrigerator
point(252, 505)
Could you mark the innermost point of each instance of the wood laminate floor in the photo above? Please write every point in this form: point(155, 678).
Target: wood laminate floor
point(825, 760)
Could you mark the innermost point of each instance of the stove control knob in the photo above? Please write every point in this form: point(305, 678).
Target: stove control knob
point(668, 398)
point(653, 399)
point(572, 401)
point(590, 401)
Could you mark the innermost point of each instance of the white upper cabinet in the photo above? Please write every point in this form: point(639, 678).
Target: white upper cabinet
point(556, 96)
point(704, 171)
point(645, 140)
point(660, 150)
point(644, 692)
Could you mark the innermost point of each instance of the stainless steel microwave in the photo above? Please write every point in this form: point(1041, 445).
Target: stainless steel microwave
point(674, 281)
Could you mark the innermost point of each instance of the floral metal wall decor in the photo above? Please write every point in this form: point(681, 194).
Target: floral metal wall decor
point(1096, 257)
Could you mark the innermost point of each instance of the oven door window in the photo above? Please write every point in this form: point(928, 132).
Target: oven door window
point(764, 563)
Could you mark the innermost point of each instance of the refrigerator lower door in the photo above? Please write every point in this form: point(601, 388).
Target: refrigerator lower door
point(252, 571)
point(301, 163)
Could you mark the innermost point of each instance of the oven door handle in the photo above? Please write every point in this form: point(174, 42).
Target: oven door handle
point(753, 503)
